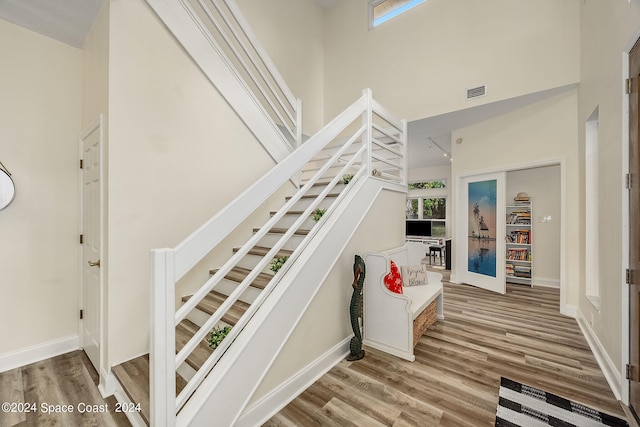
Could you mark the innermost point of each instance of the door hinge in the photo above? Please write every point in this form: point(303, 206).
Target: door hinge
point(82, 316)
point(628, 373)
point(628, 181)
point(628, 277)
point(627, 86)
point(81, 239)
point(81, 164)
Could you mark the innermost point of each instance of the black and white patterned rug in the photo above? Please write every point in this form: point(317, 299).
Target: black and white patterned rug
point(524, 406)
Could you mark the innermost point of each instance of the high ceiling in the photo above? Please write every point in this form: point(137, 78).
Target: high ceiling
point(69, 21)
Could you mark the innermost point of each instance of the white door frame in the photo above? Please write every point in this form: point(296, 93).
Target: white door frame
point(567, 310)
point(95, 126)
point(624, 238)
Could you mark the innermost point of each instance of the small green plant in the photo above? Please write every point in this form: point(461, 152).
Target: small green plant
point(216, 336)
point(277, 263)
point(347, 178)
point(317, 214)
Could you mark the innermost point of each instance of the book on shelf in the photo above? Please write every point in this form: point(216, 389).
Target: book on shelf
point(522, 271)
point(517, 217)
point(509, 269)
point(520, 236)
point(518, 254)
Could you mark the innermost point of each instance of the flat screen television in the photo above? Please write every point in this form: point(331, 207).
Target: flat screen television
point(418, 228)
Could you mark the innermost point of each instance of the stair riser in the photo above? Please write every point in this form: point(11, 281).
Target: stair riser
point(317, 189)
point(271, 239)
point(250, 261)
point(228, 286)
point(288, 220)
point(200, 317)
point(186, 371)
point(303, 204)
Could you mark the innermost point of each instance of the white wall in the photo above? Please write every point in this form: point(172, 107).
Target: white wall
point(542, 133)
point(420, 63)
point(609, 30)
point(542, 184)
point(430, 174)
point(40, 83)
point(292, 32)
point(177, 154)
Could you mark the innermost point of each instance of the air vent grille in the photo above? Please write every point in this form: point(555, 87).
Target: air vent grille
point(476, 92)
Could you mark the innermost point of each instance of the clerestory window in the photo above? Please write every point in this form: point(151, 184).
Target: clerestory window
point(383, 10)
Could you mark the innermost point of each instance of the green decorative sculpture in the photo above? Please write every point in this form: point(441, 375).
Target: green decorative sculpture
point(355, 345)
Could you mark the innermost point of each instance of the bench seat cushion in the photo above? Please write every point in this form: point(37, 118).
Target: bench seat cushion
point(421, 297)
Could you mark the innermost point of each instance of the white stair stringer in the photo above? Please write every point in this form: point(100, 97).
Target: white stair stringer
point(229, 387)
point(193, 35)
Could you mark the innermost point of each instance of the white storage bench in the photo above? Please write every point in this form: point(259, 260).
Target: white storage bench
point(390, 320)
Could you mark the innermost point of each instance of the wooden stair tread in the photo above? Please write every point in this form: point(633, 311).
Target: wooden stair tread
point(184, 331)
point(298, 213)
point(238, 274)
point(133, 375)
point(313, 196)
point(214, 300)
point(262, 251)
point(278, 230)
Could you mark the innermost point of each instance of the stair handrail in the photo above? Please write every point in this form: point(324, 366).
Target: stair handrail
point(255, 56)
point(253, 61)
point(264, 57)
point(213, 358)
point(169, 265)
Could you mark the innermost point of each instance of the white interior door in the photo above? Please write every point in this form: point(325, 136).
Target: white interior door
point(480, 231)
point(91, 143)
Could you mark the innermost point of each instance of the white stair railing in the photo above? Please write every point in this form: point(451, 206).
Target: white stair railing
point(376, 148)
point(218, 37)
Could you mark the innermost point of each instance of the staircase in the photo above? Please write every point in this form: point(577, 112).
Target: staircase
point(133, 375)
point(183, 381)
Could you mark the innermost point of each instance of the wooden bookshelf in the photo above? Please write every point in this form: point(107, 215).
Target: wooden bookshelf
point(519, 243)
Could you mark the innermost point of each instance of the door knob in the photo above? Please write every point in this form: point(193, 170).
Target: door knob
point(94, 264)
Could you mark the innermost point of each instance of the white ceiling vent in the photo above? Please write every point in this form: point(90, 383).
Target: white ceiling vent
point(476, 92)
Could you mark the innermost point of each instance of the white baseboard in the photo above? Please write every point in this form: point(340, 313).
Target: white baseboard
point(273, 402)
point(569, 310)
point(546, 282)
point(108, 383)
point(38, 352)
point(607, 366)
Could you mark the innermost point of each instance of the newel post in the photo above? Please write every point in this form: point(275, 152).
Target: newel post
point(367, 121)
point(162, 355)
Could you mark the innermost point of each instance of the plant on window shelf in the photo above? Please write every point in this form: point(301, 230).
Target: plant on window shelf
point(216, 336)
point(277, 263)
point(317, 214)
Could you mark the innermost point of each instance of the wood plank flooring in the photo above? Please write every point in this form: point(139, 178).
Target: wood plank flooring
point(69, 379)
point(459, 361)
point(453, 382)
